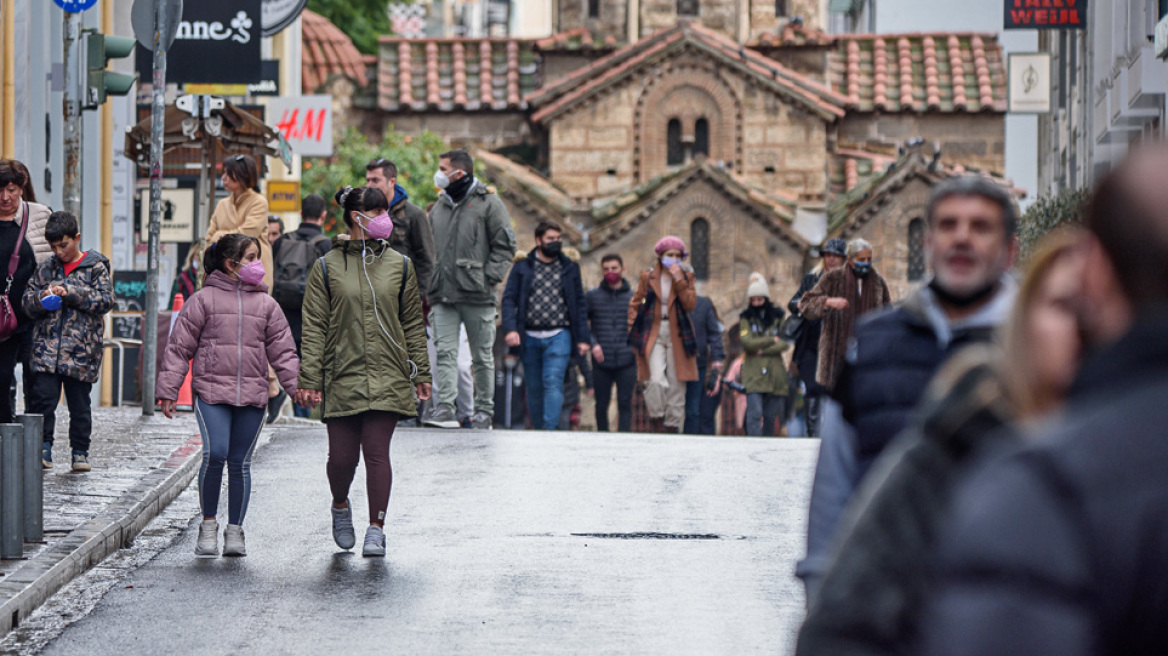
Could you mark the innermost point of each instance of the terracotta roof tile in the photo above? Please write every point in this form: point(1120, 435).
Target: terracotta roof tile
point(919, 72)
point(455, 74)
point(327, 51)
point(586, 81)
point(793, 34)
point(579, 38)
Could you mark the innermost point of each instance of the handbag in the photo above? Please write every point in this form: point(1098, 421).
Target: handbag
point(8, 321)
point(791, 327)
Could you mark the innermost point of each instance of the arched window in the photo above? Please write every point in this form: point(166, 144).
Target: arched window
point(674, 153)
point(916, 250)
point(687, 7)
point(702, 137)
point(699, 244)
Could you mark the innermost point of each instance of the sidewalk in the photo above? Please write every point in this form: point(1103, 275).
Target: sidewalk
point(139, 464)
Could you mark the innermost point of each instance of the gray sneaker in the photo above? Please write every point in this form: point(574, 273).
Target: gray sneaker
point(482, 420)
point(208, 543)
point(374, 542)
point(441, 416)
point(233, 541)
point(343, 533)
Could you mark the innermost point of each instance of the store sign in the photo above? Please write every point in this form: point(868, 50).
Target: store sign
point(306, 122)
point(1029, 83)
point(268, 86)
point(283, 195)
point(218, 41)
point(1160, 39)
point(1046, 14)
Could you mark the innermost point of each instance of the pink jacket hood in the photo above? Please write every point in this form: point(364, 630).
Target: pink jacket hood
point(232, 331)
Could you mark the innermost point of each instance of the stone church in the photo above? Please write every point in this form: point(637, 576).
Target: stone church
point(736, 124)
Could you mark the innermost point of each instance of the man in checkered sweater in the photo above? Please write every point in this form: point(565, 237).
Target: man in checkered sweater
point(544, 314)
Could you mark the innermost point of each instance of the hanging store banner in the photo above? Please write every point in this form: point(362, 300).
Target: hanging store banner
point(218, 42)
point(1029, 88)
point(1046, 14)
point(305, 121)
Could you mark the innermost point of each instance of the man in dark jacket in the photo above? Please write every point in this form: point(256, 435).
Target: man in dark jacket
point(971, 223)
point(1059, 547)
point(613, 360)
point(806, 355)
point(412, 235)
point(544, 314)
point(700, 403)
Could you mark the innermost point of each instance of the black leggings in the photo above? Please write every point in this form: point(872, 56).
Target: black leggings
point(348, 436)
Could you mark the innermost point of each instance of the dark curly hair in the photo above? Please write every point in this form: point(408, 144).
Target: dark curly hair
point(229, 248)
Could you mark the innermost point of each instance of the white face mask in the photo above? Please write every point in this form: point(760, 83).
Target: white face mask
point(441, 180)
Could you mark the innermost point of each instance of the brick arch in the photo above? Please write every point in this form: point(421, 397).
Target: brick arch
point(688, 92)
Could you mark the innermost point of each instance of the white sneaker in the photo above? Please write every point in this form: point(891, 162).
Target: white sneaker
point(343, 533)
point(208, 543)
point(233, 541)
point(374, 542)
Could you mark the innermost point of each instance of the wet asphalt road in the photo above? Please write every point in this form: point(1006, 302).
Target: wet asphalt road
point(485, 554)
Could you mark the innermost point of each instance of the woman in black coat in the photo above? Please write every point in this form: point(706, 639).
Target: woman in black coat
point(806, 354)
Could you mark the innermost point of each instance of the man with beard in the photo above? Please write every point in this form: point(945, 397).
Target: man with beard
point(970, 240)
point(1058, 548)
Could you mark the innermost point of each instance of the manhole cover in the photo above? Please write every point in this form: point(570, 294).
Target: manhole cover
point(650, 536)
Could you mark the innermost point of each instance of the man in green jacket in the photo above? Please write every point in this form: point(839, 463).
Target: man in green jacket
point(474, 244)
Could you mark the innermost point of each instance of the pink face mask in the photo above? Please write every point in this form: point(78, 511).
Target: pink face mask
point(252, 273)
point(378, 227)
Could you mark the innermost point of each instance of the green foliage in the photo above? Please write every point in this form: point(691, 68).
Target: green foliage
point(362, 20)
point(1049, 213)
point(416, 158)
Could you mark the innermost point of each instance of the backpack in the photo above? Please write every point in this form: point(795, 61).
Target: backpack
point(296, 256)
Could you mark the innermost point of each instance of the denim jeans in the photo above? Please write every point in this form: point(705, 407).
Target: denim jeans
point(544, 364)
point(761, 412)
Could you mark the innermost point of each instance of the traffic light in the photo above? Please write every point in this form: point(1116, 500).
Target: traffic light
point(98, 50)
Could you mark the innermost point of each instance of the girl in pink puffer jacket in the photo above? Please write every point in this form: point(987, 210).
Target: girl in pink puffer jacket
point(233, 330)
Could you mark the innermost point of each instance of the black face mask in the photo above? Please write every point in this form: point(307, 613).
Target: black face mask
point(552, 249)
point(861, 270)
point(965, 301)
point(457, 188)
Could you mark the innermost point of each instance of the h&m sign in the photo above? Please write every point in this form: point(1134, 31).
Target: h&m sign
point(1046, 14)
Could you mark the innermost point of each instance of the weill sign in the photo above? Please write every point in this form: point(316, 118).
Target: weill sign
point(1046, 14)
point(218, 41)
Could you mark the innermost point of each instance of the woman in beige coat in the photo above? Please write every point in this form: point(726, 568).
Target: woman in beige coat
point(664, 362)
point(245, 210)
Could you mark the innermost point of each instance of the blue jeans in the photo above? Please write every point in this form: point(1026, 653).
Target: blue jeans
point(700, 408)
point(230, 433)
point(544, 364)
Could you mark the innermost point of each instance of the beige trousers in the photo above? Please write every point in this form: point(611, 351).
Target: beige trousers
point(664, 394)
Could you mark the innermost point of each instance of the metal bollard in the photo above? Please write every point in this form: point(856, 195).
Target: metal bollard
point(11, 491)
point(34, 491)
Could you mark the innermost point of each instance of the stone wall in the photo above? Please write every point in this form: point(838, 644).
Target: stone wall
point(739, 245)
point(620, 139)
point(972, 140)
point(462, 129)
point(718, 15)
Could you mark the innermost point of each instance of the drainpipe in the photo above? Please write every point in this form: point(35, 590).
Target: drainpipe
point(634, 21)
point(743, 21)
point(8, 107)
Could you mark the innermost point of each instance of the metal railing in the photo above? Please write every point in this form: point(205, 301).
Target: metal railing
point(21, 485)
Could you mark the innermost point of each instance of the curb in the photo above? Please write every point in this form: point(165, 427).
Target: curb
point(87, 545)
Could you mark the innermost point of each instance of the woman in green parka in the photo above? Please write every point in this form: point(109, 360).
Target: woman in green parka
point(364, 357)
point(764, 375)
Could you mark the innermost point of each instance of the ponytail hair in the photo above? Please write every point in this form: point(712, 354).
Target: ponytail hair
point(229, 248)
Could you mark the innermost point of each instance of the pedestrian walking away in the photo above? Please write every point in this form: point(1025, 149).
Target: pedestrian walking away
point(364, 346)
point(970, 224)
point(474, 245)
point(1058, 547)
point(613, 360)
point(68, 298)
point(662, 334)
point(986, 398)
point(544, 315)
point(764, 375)
point(805, 357)
point(703, 395)
point(233, 331)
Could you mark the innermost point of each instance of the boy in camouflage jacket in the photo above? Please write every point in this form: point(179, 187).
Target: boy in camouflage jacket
point(67, 297)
